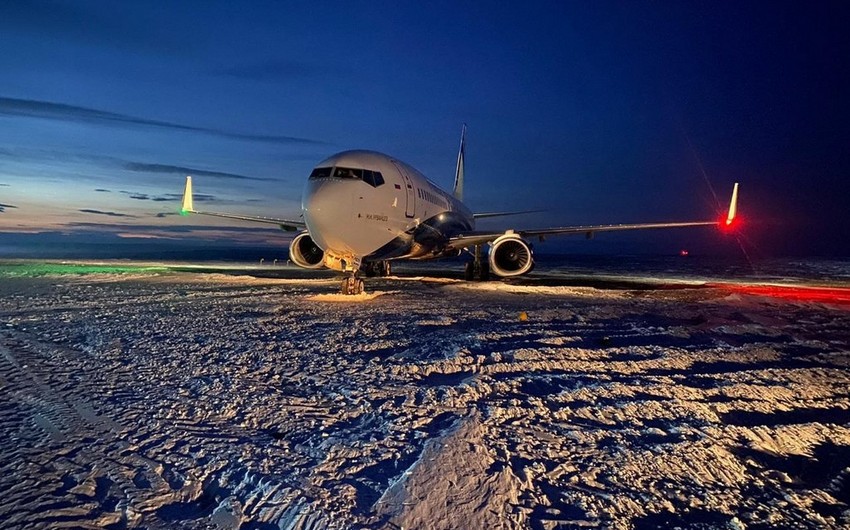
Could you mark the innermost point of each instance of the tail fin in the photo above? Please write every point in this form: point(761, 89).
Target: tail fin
point(458, 189)
point(733, 206)
point(188, 207)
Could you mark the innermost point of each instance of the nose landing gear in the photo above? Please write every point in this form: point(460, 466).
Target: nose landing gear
point(352, 285)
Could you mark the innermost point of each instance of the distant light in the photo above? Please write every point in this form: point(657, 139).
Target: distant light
point(684, 253)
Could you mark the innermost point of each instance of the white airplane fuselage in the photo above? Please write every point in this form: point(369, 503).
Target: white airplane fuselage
point(366, 206)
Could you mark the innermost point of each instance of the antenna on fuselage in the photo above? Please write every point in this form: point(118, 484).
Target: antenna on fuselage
point(458, 189)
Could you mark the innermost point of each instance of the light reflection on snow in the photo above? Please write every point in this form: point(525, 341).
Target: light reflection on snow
point(205, 396)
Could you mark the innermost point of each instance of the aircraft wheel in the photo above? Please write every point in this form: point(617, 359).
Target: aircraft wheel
point(386, 268)
point(352, 285)
point(485, 271)
point(469, 271)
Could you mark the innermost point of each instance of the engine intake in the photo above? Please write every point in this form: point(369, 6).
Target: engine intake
point(510, 255)
point(304, 252)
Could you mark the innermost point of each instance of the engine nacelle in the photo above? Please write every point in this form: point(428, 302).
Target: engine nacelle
point(510, 255)
point(304, 252)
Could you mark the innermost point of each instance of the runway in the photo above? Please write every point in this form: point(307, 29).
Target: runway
point(194, 397)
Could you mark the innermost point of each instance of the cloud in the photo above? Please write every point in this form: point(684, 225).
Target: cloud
point(99, 25)
point(30, 108)
point(129, 165)
point(102, 190)
point(176, 229)
point(110, 214)
point(183, 170)
point(2, 185)
point(168, 197)
point(4, 206)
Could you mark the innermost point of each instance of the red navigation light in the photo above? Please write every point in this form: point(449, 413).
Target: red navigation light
point(684, 253)
point(727, 225)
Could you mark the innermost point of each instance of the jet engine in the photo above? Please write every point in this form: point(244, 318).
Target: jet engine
point(304, 252)
point(510, 255)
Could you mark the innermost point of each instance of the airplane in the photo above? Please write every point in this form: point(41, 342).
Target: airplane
point(363, 209)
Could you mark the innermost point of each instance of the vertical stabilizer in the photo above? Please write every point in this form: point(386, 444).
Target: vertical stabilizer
point(188, 207)
point(458, 189)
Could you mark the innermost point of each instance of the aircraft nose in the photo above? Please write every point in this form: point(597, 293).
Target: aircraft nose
point(327, 210)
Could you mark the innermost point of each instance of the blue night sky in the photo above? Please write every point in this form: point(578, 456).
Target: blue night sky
point(594, 111)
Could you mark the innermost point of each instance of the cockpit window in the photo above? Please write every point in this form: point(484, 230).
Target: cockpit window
point(320, 173)
point(373, 178)
point(348, 173)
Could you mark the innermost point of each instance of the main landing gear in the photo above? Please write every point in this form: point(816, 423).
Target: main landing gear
point(477, 269)
point(374, 269)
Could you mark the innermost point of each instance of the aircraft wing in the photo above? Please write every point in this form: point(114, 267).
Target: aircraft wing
point(288, 225)
point(479, 238)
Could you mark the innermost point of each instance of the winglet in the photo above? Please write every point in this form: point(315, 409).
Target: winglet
point(458, 189)
point(733, 207)
point(187, 198)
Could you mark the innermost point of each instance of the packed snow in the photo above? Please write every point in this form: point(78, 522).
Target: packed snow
point(178, 398)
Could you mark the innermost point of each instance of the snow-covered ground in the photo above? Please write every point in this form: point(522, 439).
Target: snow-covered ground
point(155, 398)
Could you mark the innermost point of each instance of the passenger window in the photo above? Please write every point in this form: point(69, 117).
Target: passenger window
point(320, 173)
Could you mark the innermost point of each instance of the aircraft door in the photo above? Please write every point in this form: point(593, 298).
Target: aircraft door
point(410, 197)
